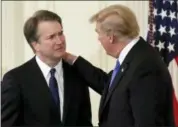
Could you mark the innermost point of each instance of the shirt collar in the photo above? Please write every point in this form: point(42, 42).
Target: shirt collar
point(126, 50)
point(46, 69)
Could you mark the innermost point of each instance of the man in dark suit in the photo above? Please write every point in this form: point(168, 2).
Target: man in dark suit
point(138, 92)
point(43, 92)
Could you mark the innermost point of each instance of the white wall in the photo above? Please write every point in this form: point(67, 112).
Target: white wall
point(80, 35)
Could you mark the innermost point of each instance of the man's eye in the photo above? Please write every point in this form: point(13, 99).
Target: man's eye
point(51, 37)
point(60, 33)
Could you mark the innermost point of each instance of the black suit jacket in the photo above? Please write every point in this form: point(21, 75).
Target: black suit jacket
point(141, 93)
point(26, 99)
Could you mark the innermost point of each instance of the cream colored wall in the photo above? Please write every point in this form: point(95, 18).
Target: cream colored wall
point(80, 35)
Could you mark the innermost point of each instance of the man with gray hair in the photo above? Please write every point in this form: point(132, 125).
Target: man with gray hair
point(138, 92)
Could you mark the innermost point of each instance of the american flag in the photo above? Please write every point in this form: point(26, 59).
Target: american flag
point(163, 36)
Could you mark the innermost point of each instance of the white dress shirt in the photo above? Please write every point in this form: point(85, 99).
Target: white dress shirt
point(59, 77)
point(126, 50)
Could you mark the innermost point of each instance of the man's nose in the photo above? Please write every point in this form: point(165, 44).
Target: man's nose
point(58, 40)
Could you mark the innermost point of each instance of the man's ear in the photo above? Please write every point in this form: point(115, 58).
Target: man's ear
point(112, 39)
point(35, 46)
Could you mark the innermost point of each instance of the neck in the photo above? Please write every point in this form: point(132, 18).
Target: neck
point(120, 46)
point(50, 62)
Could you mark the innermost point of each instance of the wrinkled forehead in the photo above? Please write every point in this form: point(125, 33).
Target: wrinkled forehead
point(49, 27)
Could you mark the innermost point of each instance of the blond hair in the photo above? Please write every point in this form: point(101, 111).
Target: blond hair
point(118, 20)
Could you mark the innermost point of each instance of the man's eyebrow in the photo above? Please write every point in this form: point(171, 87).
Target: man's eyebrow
point(50, 34)
point(60, 32)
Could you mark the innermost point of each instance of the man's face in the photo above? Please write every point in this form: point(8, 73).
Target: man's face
point(104, 39)
point(51, 43)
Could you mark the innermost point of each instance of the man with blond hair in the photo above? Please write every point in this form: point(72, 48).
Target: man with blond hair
point(138, 92)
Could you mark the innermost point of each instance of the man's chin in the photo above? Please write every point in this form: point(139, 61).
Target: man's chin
point(109, 54)
point(59, 56)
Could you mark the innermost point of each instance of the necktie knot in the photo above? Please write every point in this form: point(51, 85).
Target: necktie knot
point(52, 71)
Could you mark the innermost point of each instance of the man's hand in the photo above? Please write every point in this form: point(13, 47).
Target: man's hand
point(69, 58)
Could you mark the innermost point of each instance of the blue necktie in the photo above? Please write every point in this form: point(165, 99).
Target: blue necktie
point(116, 69)
point(54, 87)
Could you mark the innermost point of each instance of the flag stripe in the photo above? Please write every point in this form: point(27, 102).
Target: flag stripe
point(164, 28)
point(175, 104)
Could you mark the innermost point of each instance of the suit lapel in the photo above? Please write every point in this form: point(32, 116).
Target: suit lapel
point(124, 67)
point(41, 84)
point(68, 89)
point(115, 83)
point(41, 89)
point(44, 92)
point(118, 77)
